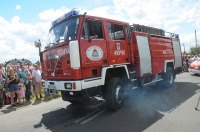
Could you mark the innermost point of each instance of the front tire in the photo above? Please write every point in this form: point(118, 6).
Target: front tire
point(114, 93)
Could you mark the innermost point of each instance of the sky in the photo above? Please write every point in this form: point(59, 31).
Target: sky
point(22, 21)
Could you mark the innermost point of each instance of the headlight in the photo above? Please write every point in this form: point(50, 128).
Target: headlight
point(68, 86)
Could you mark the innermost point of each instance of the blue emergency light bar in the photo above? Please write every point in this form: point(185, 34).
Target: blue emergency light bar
point(73, 12)
point(176, 35)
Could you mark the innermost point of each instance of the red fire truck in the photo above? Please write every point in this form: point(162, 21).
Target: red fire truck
point(89, 56)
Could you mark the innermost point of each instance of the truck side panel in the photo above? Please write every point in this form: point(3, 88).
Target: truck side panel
point(161, 50)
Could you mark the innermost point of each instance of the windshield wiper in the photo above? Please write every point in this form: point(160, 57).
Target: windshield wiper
point(58, 41)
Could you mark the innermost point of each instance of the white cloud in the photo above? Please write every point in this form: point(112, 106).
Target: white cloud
point(51, 14)
point(15, 19)
point(17, 39)
point(171, 16)
point(18, 7)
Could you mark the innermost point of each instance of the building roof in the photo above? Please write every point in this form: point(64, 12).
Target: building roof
point(17, 61)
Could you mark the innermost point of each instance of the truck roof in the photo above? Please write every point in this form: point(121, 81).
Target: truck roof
point(107, 19)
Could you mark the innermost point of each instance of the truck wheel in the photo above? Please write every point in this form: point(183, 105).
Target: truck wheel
point(169, 77)
point(114, 93)
point(63, 95)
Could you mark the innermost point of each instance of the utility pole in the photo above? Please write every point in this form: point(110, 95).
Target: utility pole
point(196, 38)
point(38, 45)
point(184, 48)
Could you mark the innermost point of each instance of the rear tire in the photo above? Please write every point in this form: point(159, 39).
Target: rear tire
point(114, 93)
point(168, 79)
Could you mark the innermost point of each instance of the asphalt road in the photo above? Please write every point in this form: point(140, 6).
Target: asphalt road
point(148, 109)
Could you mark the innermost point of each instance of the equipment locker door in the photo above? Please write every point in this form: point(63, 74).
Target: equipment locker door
point(177, 53)
point(144, 55)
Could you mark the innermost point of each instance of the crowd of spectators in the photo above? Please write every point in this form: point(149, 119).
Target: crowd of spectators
point(187, 60)
point(21, 82)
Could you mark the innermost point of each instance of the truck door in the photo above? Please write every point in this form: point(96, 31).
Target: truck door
point(93, 49)
point(117, 44)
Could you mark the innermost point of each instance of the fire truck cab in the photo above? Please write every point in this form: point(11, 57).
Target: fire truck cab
point(90, 56)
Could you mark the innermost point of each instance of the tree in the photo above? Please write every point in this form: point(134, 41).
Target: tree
point(195, 50)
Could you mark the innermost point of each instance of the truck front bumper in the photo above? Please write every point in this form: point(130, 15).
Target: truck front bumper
point(75, 85)
point(62, 85)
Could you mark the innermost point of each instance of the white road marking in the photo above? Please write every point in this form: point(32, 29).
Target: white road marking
point(134, 88)
point(94, 116)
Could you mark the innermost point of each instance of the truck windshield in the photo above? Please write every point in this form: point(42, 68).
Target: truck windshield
point(63, 32)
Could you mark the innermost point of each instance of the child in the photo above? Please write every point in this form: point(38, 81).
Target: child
point(21, 89)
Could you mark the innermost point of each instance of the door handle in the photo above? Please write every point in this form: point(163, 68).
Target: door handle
point(105, 61)
point(87, 63)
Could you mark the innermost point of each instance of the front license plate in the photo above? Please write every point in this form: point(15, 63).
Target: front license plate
point(51, 87)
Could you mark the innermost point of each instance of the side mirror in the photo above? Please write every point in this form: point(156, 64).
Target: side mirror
point(37, 44)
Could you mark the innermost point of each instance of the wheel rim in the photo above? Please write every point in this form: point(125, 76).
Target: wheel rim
point(118, 94)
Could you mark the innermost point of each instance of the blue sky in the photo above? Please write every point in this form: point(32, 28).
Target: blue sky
point(22, 21)
point(30, 9)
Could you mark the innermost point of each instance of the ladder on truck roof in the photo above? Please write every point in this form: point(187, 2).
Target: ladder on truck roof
point(153, 31)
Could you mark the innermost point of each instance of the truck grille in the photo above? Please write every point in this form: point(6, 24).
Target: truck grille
point(51, 65)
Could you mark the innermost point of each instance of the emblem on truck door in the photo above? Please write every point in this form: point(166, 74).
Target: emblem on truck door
point(118, 46)
point(119, 51)
point(94, 53)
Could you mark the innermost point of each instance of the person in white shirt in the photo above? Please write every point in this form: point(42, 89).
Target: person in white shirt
point(37, 80)
point(195, 57)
